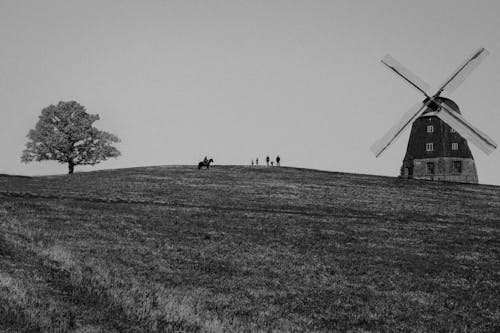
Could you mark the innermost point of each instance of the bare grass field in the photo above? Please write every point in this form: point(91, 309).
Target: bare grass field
point(247, 249)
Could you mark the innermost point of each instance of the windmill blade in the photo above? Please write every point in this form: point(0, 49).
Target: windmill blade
point(463, 71)
point(379, 146)
point(466, 130)
point(406, 74)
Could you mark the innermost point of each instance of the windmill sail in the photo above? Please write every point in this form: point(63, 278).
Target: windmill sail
point(406, 74)
point(466, 130)
point(463, 71)
point(378, 147)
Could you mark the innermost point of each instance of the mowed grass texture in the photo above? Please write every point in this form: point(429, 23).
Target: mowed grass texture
point(230, 249)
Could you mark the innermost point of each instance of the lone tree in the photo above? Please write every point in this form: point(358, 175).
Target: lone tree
point(64, 133)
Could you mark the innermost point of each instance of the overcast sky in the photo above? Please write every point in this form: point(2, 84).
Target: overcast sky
point(235, 80)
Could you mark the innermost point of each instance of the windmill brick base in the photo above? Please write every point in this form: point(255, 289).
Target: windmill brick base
point(446, 169)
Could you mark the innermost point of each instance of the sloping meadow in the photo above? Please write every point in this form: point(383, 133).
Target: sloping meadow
point(247, 249)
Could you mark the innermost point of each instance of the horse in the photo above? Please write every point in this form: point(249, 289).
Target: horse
point(203, 163)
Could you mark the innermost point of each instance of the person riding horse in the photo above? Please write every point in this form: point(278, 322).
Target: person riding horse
point(205, 163)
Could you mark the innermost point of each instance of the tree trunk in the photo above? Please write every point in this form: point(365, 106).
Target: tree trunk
point(71, 167)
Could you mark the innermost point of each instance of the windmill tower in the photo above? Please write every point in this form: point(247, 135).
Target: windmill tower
point(438, 145)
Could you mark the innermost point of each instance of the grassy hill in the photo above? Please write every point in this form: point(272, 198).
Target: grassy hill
point(247, 249)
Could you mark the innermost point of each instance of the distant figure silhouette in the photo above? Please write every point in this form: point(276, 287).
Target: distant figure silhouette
point(205, 163)
point(252, 162)
point(257, 161)
point(272, 163)
point(278, 159)
point(267, 160)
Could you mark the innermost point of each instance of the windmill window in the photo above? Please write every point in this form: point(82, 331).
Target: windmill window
point(452, 130)
point(457, 166)
point(430, 129)
point(454, 146)
point(430, 168)
point(429, 146)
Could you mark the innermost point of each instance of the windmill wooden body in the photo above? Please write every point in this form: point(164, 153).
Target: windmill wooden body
point(438, 144)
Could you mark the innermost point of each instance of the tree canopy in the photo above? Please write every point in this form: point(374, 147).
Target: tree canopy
point(64, 133)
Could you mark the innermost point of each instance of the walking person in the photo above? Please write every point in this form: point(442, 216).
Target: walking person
point(278, 159)
point(257, 161)
point(267, 160)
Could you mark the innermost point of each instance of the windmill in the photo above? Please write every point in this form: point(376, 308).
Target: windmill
point(437, 148)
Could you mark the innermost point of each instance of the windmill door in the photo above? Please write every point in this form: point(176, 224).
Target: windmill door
point(408, 171)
